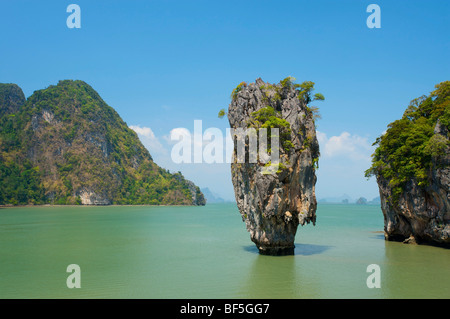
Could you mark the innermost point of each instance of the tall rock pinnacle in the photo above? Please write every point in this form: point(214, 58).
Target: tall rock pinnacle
point(273, 202)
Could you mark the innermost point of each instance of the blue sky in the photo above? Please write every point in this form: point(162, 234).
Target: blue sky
point(164, 64)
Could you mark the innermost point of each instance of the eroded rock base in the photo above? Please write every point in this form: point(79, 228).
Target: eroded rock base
point(276, 251)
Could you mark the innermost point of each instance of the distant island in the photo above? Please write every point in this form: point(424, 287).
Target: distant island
point(345, 199)
point(65, 145)
point(361, 201)
point(212, 197)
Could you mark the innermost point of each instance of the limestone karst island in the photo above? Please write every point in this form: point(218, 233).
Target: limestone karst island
point(65, 145)
point(273, 205)
point(412, 168)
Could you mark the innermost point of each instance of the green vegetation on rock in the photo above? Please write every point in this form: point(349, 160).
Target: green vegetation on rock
point(268, 118)
point(222, 113)
point(238, 89)
point(410, 145)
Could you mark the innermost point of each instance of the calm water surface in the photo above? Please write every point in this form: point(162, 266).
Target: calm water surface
point(205, 252)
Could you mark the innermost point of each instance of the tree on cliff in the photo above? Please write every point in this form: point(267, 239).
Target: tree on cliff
point(305, 94)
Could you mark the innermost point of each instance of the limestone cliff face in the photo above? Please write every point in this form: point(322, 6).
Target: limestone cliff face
point(273, 205)
point(422, 213)
point(197, 196)
point(92, 197)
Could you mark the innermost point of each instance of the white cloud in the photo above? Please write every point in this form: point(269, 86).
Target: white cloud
point(145, 131)
point(353, 147)
point(342, 163)
point(149, 139)
point(321, 137)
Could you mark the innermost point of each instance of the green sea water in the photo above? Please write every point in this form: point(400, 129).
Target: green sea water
point(206, 252)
